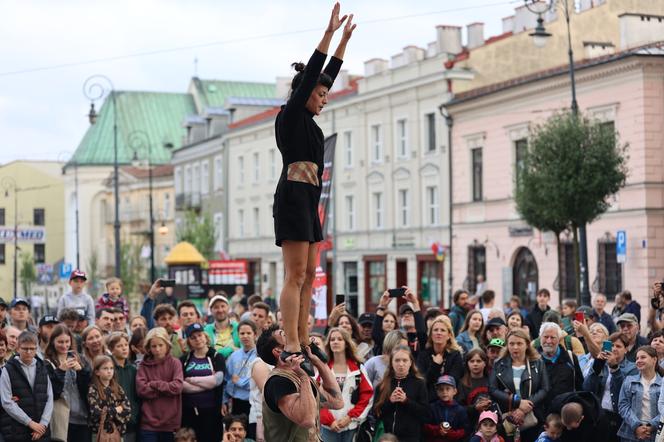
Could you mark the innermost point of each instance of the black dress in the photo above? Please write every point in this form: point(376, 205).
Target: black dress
point(300, 142)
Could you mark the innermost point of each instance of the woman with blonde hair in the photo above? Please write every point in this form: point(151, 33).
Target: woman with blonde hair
point(356, 390)
point(442, 355)
point(377, 365)
point(519, 384)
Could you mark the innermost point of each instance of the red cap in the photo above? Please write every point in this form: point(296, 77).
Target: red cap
point(78, 274)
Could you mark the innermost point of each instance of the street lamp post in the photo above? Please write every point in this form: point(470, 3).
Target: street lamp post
point(95, 88)
point(7, 184)
point(540, 37)
point(73, 162)
point(139, 140)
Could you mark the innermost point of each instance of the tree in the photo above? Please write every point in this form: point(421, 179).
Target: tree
point(28, 274)
point(132, 267)
point(572, 166)
point(199, 231)
point(93, 274)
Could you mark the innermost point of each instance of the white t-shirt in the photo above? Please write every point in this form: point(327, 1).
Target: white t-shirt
point(645, 407)
point(517, 372)
point(606, 397)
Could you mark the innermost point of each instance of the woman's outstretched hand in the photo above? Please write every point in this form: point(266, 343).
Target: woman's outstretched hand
point(349, 28)
point(335, 21)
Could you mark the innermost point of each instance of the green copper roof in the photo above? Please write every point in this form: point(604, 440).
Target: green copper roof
point(158, 114)
point(215, 92)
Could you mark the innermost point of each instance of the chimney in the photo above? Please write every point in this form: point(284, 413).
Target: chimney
point(475, 33)
point(375, 66)
point(412, 54)
point(398, 60)
point(449, 39)
point(508, 24)
point(283, 87)
point(342, 81)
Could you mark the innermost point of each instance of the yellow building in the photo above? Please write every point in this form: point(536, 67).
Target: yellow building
point(32, 195)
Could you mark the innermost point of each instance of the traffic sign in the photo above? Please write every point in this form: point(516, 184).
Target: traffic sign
point(621, 246)
point(65, 270)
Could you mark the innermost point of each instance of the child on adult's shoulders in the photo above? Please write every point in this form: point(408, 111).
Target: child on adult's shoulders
point(449, 420)
point(487, 428)
point(113, 297)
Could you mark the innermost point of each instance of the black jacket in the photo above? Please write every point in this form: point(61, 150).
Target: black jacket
point(534, 320)
point(416, 341)
point(31, 400)
point(594, 426)
point(452, 365)
point(57, 377)
point(564, 375)
point(502, 389)
point(406, 420)
point(219, 365)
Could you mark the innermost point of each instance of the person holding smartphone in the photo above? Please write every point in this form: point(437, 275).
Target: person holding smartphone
point(410, 319)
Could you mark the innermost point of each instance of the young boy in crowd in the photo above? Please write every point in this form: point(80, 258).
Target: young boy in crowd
point(449, 419)
point(487, 429)
point(26, 399)
point(164, 316)
point(77, 298)
point(113, 297)
point(553, 428)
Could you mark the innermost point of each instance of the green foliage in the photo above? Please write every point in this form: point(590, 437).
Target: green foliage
point(132, 266)
point(28, 273)
point(199, 231)
point(93, 274)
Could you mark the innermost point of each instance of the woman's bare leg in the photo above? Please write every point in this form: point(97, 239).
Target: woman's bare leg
point(296, 256)
point(306, 293)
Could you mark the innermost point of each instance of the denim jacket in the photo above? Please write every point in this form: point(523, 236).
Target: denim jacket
point(464, 341)
point(595, 382)
point(630, 403)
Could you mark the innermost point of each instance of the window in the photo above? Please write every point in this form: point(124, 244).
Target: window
point(218, 172)
point(432, 216)
point(219, 232)
point(38, 217)
point(476, 266)
point(431, 131)
point(167, 205)
point(205, 177)
point(40, 253)
point(178, 180)
point(567, 278)
point(378, 209)
point(375, 281)
point(348, 149)
point(240, 170)
point(2, 254)
point(520, 150)
point(273, 164)
point(257, 168)
point(240, 223)
point(404, 208)
point(609, 270)
point(257, 222)
point(350, 212)
point(196, 178)
point(187, 179)
point(376, 144)
point(476, 155)
point(402, 138)
point(430, 278)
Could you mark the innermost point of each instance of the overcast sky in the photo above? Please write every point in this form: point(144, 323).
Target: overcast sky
point(49, 47)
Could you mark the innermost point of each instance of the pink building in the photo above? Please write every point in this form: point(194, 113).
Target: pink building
point(491, 127)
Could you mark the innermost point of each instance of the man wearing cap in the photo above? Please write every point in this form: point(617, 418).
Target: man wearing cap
point(449, 420)
point(77, 298)
point(365, 347)
point(493, 349)
point(410, 319)
point(599, 304)
point(222, 332)
point(495, 328)
point(46, 324)
point(629, 327)
point(19, 313)
point(3, 314)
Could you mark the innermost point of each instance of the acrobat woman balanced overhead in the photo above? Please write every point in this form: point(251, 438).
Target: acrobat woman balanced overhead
point(296, 222)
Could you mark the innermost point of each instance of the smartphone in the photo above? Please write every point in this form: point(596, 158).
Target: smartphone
point(167, 282)
point(340, 298)
point(579, 316)
point(70, 354)
point(607, 346)
point(397, 293)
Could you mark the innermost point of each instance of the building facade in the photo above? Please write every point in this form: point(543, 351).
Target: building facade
point(490, 135)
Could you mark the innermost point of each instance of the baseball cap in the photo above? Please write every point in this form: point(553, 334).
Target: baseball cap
point(366, 318)
point(495, 322)
point(446, 380)
point(17, 301)
point(3, 303)
point(497, 342)
point(406, 308)
point(78, 274)
point(193, 328)
point(48, 319)
point(81, 314)
point(493, 417)
point(627, 317)
point(216, 298)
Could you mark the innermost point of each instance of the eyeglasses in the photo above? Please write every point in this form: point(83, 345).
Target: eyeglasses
point(28, 349)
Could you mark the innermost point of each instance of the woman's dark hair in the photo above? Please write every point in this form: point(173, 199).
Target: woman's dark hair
point(137, 338)
point(466, 323)
point(323, 78)
point(650, 351)
point(515, 313)
point(465, 380)
point(384, 388)
point(249, 323)
point(357, 334)
point(50, 354)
